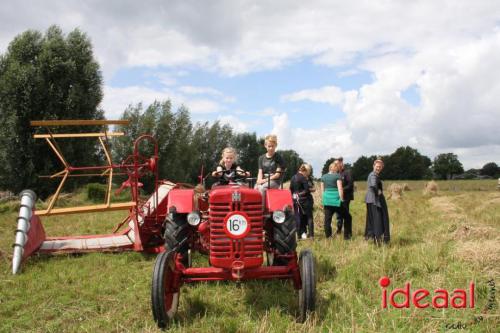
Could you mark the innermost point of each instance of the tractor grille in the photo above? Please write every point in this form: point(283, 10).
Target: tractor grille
point(225, 250)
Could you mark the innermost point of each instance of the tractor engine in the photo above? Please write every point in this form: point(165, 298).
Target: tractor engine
point(236, 228)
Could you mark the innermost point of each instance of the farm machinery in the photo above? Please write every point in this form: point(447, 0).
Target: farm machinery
point(245, 233)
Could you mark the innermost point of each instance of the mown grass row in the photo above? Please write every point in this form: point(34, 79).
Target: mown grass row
point(444, 241)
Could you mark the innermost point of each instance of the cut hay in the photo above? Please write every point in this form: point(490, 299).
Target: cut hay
point(431, 188)
point(484, 253)
point(447, 208)
point(474, 232)
point(395, 192)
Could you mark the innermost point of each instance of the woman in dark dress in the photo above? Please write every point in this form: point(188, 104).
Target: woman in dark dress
point(302, 201)
point(377, 215)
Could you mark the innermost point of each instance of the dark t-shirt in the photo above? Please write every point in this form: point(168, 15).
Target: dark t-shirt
point(347, 185)
point(299, 185)
point(269, 165)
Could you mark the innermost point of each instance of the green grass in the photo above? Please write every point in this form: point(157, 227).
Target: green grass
point(442, 241)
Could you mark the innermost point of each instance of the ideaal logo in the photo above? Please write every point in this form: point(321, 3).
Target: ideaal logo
point(441, 298)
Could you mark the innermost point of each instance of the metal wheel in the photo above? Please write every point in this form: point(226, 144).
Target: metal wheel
point(164, 295)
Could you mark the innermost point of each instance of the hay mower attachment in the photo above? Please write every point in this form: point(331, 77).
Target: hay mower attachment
point(140, 230)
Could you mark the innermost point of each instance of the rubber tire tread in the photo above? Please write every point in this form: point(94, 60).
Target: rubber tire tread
point(307, 295)
point(176, 232)
point(157, 302)
point(285, 235)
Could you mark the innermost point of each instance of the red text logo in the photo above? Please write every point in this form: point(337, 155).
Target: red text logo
point(440, 298)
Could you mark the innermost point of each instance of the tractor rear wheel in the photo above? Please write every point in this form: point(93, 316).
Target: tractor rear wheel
point(307, 295)
point(284, 235)
point(164, 295)
point(176, 236)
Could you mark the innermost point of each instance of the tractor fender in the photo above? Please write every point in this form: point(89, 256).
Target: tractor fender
point(278, 199)
point(182, 200)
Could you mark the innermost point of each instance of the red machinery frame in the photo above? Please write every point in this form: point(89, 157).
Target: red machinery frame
point(143, 221)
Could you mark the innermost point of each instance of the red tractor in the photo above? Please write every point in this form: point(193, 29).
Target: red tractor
point(234, 225)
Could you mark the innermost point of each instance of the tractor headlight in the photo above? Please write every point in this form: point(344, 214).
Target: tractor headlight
point(279, 216)
point(194, 218)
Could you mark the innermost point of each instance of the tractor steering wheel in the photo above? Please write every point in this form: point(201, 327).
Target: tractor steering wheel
point(232, 175)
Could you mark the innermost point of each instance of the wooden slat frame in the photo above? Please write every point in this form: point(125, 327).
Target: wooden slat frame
point(77, 135)
point(78, 122)
point(86, 209)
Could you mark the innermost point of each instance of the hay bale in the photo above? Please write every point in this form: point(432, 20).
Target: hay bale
point(431, 188)
point(395, 191)
point(406, 187)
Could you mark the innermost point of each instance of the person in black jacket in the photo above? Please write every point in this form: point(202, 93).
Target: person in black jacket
point(345, 219)
point(302, 200)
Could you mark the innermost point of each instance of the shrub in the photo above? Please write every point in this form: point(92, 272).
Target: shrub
point(96, 192)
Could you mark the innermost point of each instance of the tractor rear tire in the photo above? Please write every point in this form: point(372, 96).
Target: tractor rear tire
point(307, 295)
point(164, 295)
point(284, 235)
point(176, 236)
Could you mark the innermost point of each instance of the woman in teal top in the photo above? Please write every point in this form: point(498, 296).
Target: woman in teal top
point(333, 195)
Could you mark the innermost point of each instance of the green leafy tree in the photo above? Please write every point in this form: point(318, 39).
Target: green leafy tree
point(292, 162)
point(42, 77)
point(446, 165)
point(406, 163)
point(326, 166)
point(249, 149)
point(490, 169)
point(362, 167)
point(172, 132)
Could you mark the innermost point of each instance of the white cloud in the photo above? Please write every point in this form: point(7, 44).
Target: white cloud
point(192, 90)
point(449, 50)
point(236, 123)
point(116, 100)
point(458, 112)
point(330, 94)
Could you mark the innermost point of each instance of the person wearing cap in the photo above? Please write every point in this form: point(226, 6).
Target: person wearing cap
point(377, 215)
point(345, 219)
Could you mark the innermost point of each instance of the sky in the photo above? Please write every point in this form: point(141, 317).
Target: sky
point(330, 78)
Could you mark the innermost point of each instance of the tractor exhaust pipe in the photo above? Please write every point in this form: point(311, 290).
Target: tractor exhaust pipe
point(28, 199)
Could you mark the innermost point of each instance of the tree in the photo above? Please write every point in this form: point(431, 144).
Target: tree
point(326, 166)
point(292, 163)
point(490, 169)
point(362, 167)
point(446, 165)
point(406, 163)
point(172, 132)
point(249, 149)
point(45, 77)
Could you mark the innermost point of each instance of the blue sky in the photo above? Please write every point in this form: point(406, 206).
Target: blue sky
point(253, 93)
point(328, 77)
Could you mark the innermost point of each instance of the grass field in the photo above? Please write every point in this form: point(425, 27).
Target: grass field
point(443, 241)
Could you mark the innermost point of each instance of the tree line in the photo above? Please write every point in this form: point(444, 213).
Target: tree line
point(407, 163)
point(55, 76)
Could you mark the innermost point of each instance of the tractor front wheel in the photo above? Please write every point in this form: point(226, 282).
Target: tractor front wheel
point(176, 236)
point(284, 235)
point(164, 295)
point(307, 295)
